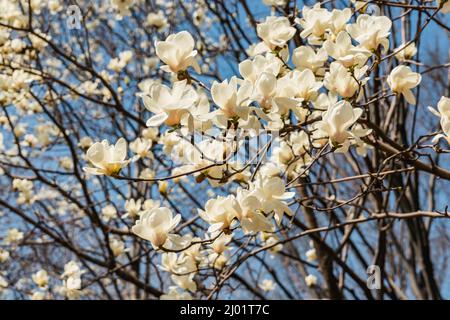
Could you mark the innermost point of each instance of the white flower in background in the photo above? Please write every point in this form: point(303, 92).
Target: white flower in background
point(358, 132)
point(169, 105)
point(336, 122)
point(150, 134)
point(37, 39)
point(311, 255)
point(40, 278)
point(13, 236)
point(141, 147)
point(72, 286)
point(342, 50)
point(123, 7)
point(444, 113)
point(341, 81)
point(54, 6)
point(117, 64)
point(107, 159)
point(109, 212)
point(371, 31)
point(133, 208)
point(25, 188)
point(85, 142)
point(175, 294)
point(151, 204)
point(117, 247)
point(406, 53)
point(177, 52)
point(232, 103)
point(66, 163)
point(401, 80)
point(17, 45)
point(275, 33)
point(311, 280)
point(157, 20)
point(4, 255)
point(267, 285)
point(155, 225)
point(72, 269)
point(304, 57)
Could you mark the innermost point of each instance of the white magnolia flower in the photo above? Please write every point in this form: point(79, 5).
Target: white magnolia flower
point(267, 285)
point(141, 147)
point(336, 122)
point(341, 81)
point(251, 70)
point(311, 280)
point(232, 102)
point(402, 79)
point(185, 282)
point(72, 269)
point(219, 245)
point(305, 57)
point(40, 278)
point(117, 247)
point(444, 113)
point(123, 7)
point(157, 20)
point(13, 236)
point(407, 52)
point(250, 212)
point(339, 19)
point(4, 255)
point(219, 212)
point(275, 33)
point(169, 105)
point(371, 31)
point(155, 225)
point(300, 85)
point(271, 193)
point(109, 212)
point(177, 52)
point(133, 207)
point(342, 50)
point(311, 255)
point(315, 22)
point(107, 159)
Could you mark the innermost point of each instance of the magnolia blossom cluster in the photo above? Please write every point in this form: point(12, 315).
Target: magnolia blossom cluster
point(309, 94)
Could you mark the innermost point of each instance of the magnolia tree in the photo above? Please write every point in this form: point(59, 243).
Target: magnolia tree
point(212, 149)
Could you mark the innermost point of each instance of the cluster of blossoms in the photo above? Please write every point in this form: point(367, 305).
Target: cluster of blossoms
point(308, 95)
